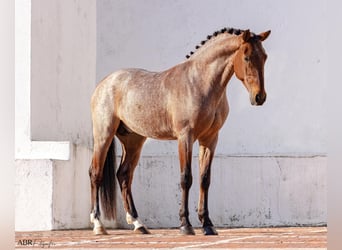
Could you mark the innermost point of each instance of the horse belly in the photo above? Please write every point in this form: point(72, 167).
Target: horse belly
point(155, 130)
point(147, 120)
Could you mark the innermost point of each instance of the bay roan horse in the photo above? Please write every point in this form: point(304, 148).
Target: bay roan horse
point(186, 103)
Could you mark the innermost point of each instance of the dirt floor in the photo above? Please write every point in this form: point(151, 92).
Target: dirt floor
point(248, 238)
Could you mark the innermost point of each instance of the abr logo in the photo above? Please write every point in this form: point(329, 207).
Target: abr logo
point(25, 242)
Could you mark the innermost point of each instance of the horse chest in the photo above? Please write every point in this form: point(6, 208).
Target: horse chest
point(212, 120)
point(211, 123)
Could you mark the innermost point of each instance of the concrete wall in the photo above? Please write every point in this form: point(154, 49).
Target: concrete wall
point(270, 167)
point(245, 192)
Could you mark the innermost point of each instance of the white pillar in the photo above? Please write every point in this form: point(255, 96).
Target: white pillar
point(52, 184)
point(34, 165)
point(24, 147)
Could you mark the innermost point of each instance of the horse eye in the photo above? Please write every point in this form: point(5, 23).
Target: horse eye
point(247, 58)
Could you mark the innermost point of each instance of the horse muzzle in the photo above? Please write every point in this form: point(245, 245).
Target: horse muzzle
point(258, 99)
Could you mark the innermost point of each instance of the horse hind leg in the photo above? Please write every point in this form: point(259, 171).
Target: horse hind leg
point(131, 149)
point(102, 173)
point(95, 182)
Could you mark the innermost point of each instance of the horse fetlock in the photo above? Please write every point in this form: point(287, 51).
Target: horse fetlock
point(129, 218)
point(92, 217)
point(184, 215)
point(204, 219)
point(138, 225)
point(98, 226)
point(97, 223)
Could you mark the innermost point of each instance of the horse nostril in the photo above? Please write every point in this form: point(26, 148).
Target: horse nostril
point(258, 98)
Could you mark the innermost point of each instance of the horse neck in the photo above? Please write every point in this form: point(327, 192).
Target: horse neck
point(213, 65)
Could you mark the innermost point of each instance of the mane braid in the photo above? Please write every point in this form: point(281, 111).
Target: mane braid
point(216, 33)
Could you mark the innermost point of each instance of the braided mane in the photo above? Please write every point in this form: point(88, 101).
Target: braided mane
point(216, 33)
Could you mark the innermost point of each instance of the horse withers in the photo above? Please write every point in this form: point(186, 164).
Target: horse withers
point(187, 102)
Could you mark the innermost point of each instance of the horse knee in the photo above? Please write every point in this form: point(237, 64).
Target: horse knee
point(205, 182)
point(186, 180)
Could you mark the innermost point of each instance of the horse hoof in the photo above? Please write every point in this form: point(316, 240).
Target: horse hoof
point(187, 230)
point(142, 230)
point(100, 231)
point(209, 230)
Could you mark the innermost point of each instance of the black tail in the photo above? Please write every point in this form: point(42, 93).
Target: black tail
point(107, 188)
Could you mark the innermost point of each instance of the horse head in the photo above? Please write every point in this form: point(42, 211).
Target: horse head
point(249, 64)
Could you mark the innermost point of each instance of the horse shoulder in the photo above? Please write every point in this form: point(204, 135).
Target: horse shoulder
point(221, 114)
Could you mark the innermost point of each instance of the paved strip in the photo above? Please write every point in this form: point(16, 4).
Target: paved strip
point(241, 238)
point(221, 242)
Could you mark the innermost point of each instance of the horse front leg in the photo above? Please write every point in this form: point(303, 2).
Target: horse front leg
point(185, 155)
point(206, 154)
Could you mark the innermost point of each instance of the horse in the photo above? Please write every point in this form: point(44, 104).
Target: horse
point(187, 102)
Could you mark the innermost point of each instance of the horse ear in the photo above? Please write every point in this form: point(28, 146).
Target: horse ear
point(246, 35)
point(264, 35)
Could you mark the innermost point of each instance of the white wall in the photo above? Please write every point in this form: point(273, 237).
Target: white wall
point(63, 69)
point(156, 35)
